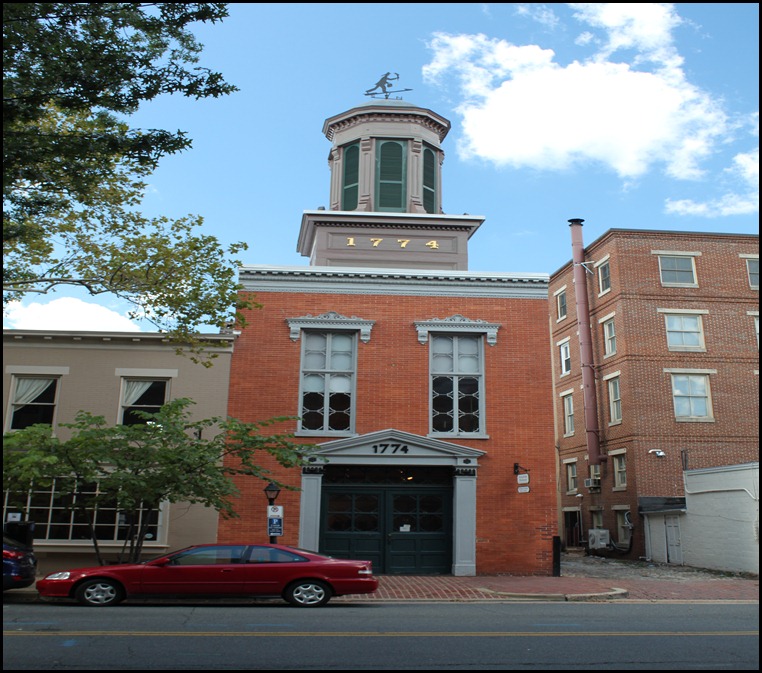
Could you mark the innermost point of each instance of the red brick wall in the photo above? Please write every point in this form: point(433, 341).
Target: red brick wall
point(514, 530)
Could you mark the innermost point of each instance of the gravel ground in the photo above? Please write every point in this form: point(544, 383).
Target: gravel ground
point(573, 565)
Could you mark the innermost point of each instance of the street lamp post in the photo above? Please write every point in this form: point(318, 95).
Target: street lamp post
point(272, 492)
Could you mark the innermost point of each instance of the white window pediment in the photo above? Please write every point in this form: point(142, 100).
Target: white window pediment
point(328, 322)
point(457, 323)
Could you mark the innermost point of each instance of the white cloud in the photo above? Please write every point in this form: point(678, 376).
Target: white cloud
point(68, 314)
point(523, 109)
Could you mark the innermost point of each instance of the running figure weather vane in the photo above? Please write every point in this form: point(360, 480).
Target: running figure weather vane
point(382, 87)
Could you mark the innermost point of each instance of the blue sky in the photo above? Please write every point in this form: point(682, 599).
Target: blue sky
point(626, 115)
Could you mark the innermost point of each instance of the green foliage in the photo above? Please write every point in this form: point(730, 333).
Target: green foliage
point(73, 169)
point(169, 458)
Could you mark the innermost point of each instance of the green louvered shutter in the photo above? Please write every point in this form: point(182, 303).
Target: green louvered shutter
point(351, 181)
point(390, 176)
point(429, 181)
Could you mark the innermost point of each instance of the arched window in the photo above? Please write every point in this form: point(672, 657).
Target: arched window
point(351, 180)
point(391, 175)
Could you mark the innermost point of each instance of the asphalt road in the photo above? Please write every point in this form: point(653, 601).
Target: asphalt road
point(378, 636)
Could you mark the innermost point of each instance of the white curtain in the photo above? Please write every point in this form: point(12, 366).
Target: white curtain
point(133, 390)
point(28, 390)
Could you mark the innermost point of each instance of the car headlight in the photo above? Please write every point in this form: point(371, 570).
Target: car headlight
point(59, 576)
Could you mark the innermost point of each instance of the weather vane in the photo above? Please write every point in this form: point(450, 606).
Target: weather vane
point(382, 87)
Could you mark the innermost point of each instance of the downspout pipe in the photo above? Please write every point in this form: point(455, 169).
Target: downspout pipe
point(580, 272)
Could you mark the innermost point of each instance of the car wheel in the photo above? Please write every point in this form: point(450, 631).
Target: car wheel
point(99, 593)
point(308, 594)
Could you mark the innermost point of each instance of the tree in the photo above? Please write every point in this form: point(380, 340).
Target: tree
point(73, 169)
point(137, 467)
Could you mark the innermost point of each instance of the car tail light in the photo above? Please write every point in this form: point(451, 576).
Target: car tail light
point(9, 553)
point(366, 570)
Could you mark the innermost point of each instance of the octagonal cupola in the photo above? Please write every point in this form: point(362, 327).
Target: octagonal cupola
point(386, 157)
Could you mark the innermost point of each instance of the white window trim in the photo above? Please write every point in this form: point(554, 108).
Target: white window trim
point(33, 371)
point(607, 378)
point(701, 348)
point(709, 418)
point(568, 394)
point(615, 454)
point(563, 342)
point(602, 322)
point(677, 253)
point(566, 463)
point(557, 294)
point(747, 257)
point(597, 265)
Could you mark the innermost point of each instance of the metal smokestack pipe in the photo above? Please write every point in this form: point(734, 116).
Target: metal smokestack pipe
point(585, 344)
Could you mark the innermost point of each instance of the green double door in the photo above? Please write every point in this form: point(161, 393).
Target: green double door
point(402, 530)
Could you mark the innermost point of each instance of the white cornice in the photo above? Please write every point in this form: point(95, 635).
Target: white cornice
point(412, 282)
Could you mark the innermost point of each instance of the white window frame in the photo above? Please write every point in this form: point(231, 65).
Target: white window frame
point(602, 264)
point(564, 353)
point(619, 465)
point(572, 478)
point(129, 381)
point(19, 372)
point(567, 402)
point(680, 313)
point(698, 377)
point(663, 254)
point(609, 335)
point(750, 259)
point(562, 308)
point(623, 531)
point(755, 316)
point(613, 385)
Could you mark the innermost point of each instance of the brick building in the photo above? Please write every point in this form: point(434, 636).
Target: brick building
point(673, 360)
point(426, 388)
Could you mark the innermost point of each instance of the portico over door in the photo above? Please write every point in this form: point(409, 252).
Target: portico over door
point(393, 448)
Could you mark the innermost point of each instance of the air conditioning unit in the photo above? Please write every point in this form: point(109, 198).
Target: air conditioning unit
point(598, 538)
point(593, 483)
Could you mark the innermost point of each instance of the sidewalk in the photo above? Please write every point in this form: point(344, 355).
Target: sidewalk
point(581, 580)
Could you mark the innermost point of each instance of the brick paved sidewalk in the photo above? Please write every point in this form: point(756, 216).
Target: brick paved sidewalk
point(507, 587)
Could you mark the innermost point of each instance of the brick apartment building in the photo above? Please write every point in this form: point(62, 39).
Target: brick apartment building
point(426, 388)
point(673, 367)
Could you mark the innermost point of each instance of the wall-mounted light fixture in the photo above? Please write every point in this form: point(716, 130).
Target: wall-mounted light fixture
point(658, 452)
point(517, 468)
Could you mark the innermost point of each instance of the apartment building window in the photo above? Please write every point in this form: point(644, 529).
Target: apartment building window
point(328, 382)
point(677, 269)
point(752, 269)
point(755, 315)
point(615, 399)
point(142, 395)
point(34, 401)
point(619, 462)
point(684, 329)
point(564, 352)
point(596, 518)
point(457, 384)
point(623, 527)
point(691, 395)
point(609, 335)
point(561, 303)
point(604, 276)
point(571, 475)
point(568, 403)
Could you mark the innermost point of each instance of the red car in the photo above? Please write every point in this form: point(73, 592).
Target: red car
point(301, 577)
